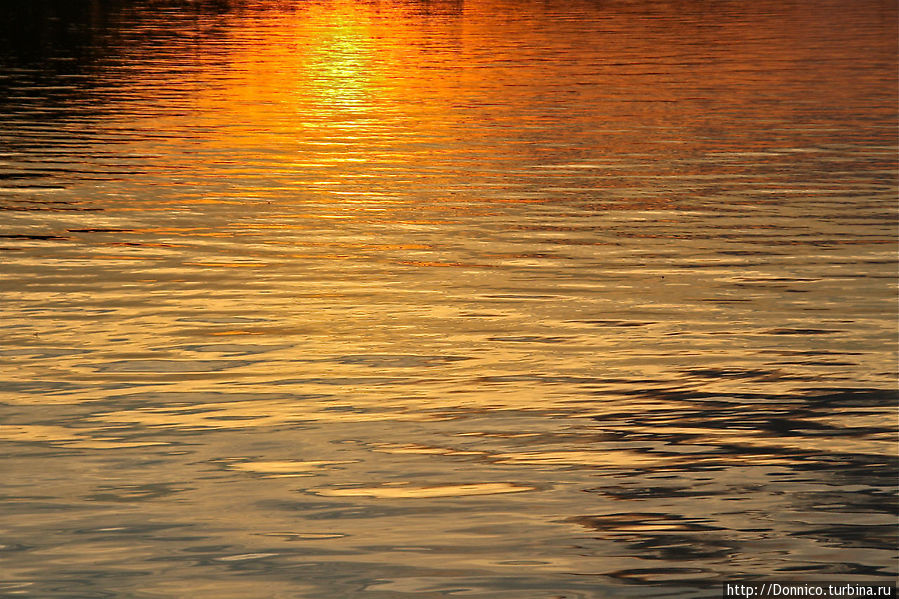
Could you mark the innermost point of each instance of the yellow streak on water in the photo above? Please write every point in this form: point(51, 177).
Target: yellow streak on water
point(62, 436)
point(424, 492)
point(249, 414)
point(618, 457)
point(286, 468)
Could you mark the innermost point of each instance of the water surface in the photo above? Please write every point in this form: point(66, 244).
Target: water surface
point(446, 299)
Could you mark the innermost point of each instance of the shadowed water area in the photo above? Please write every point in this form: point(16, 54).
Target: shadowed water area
point(433, 298)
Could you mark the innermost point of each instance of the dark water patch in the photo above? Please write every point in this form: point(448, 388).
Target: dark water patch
point(790, 331)
point(556, 379)
point(328, 510)
point(521, 296)
point(817, 363)
point(635, 522)
point(830, 396)
point(222, 319)
point(739, 373)
point(43, 352)
point(100, 230)
point(614, 323)
point(40, 387)
point(654, 492)
point(44, 201)
point(305, 536)
point(843, 570)
point(186, 398)
point(657, 576)
point(136, 492)
point(679, 547)
point(345, 381)
point(169, 366)
point(530, 339)
point(29, 188)
point(398, 360)
point(873, 500)
point(854, 397)
point(143, 245)
point(40, 505)
point(48, 209)
point(233, 349)
point(871, 536)
point(264, 560)
point(34, 237)
point(111, 531)
point(85, 583)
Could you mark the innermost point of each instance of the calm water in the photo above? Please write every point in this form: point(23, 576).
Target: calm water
point(424, 298)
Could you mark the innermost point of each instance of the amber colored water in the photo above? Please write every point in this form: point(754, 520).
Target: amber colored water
point(431, 298)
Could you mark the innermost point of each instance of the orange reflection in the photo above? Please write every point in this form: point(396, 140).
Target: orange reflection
point(398, 492)
point(341, 98)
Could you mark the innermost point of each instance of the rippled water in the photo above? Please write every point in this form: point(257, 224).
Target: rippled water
point(428, 298)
